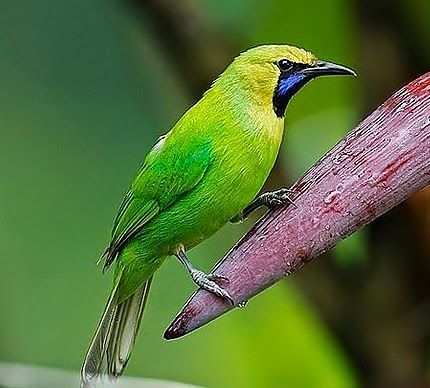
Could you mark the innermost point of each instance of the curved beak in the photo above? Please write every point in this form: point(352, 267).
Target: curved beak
point(326, 68)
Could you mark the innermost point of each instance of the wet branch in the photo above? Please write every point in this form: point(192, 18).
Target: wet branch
point(380, 163)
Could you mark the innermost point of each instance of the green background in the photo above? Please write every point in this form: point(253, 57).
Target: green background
point(86, 87)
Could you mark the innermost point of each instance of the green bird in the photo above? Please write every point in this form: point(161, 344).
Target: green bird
point(203, 173)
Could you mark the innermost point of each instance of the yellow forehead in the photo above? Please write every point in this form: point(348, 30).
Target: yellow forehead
point(273, 53)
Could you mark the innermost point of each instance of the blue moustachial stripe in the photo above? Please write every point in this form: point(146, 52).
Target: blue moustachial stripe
point(290, 82)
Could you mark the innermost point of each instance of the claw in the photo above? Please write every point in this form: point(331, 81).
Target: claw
point(284, 195)
point(215, 277)
point(207, 283)
point(278, 197)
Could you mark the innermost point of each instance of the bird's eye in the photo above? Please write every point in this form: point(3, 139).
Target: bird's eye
point(284, 64)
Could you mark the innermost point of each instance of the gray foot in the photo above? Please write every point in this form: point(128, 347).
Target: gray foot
point(276, 198)
point(208, 283)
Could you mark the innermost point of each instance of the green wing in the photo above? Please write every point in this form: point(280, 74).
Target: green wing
point(170, 171)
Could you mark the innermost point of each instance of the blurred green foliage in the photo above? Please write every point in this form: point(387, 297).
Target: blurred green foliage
point(85, 90)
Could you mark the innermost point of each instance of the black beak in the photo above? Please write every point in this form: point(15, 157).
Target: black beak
point(326, 68)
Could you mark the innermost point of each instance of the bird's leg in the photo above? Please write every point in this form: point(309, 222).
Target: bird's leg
point(270, 199)
point(205, 281)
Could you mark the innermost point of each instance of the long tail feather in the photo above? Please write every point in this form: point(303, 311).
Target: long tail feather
point(116, 333)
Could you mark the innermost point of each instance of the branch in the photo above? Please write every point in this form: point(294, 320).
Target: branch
point(379, 164)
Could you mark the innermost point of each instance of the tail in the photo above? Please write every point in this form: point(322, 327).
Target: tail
point(116, 333)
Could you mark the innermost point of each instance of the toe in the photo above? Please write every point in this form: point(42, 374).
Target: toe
point(216, 277)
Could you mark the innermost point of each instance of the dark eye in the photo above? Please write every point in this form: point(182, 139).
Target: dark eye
point(284, 64)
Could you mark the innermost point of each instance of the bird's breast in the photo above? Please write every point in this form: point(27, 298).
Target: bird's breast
point(243, 159)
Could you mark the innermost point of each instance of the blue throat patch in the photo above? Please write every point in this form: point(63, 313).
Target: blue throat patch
point(288, 85)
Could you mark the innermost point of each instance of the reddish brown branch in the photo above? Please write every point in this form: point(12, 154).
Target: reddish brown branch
point(376, 166)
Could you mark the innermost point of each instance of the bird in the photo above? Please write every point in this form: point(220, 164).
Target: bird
point(206, 171)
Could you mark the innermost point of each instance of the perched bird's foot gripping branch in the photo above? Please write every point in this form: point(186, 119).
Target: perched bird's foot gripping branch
point(270, 199)
point(273, 199)
point(203, 280)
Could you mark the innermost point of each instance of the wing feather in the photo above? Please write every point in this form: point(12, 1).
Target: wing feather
point(168, 173)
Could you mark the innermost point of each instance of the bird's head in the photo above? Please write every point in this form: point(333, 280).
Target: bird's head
point(272, 74)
